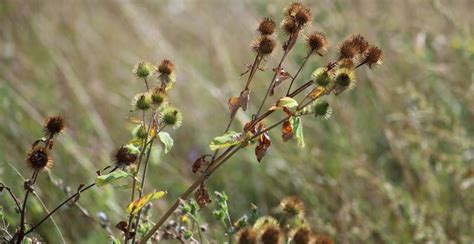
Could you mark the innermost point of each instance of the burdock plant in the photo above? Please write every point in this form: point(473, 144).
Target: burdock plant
point(152, 113)
point(334, 78)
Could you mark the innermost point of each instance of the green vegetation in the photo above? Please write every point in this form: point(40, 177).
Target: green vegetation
point(394, 162)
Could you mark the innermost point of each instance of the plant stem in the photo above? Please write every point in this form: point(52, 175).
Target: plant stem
point(299, 70)
point(224, 156)
point(212, 168)
point(271, 83)
point(21, 233)
point(146, 84)
point(142, 183)
point(13, 197)
point(62, 204)
point(253, 70)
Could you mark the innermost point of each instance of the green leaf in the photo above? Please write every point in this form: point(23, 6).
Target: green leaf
point(108, 178)
point(132, 149)
point(287, 102)
point(297, 130)
point(228, 139)
point(167, 140)
point(135, 206)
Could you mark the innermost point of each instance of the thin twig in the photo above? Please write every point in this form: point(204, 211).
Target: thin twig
point(299, 70)
point(63, 203)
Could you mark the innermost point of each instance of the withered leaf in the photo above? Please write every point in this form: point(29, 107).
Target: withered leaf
point(316, 92)
point(233, 105)
point(291, 42)
point(78, 196)
point(264, 142)
point(282, 75)
point(199, 162)
point(202, 196)
point(244, 99)
point(287, 131)
point(122, 225)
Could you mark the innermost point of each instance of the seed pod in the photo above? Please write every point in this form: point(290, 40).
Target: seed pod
point(316, 42)
point(323, 239)
point(353, 46)
point(39, 158)
point(171, 116)
point(166, 67)
point(264, 45)
point(247, 236)
point(373, 56)
point(125, 156)
point(292, 206)
point(266, 27)
point(272, 235)
point(303, 236)
point(144, 70)
point(142, 101)
point(54, 125)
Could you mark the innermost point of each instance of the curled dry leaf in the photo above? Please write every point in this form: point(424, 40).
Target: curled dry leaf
point(202, 196)
point(287, 131)
point(78, 196)
point(282, 75)
point(244, 99)
point(199, 162)
point(122, 225)
point(233, 105)
point(316, 92)
point(291, 42)
point(264, 142)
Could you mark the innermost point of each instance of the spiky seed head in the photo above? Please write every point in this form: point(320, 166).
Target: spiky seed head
point(125, 156)
point(158, 96)
point(142, 101)
point(344, 77)
point(292, 206)
point(166, 67)
point(292, 9)
point(265, 221)
point(321, 76)
point(303, 236)
point(171, 116)
point(247, 236)
point(289, 25)
point(54, 125)
point(140, 132)
point(323, 239)
point(316, 42)
point(144, 70)
point(360, 43)
point(346, 63)
point(353, 46)
point(322, 109)
point(267, 27)
point(39, 158)
point(264, 45)
point(272, 235)
point(303, 16)
point(374, 56)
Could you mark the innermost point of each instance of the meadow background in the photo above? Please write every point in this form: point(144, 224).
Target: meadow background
point(395, 163)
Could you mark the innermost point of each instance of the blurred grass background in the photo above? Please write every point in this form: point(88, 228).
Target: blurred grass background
point(395, 163)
